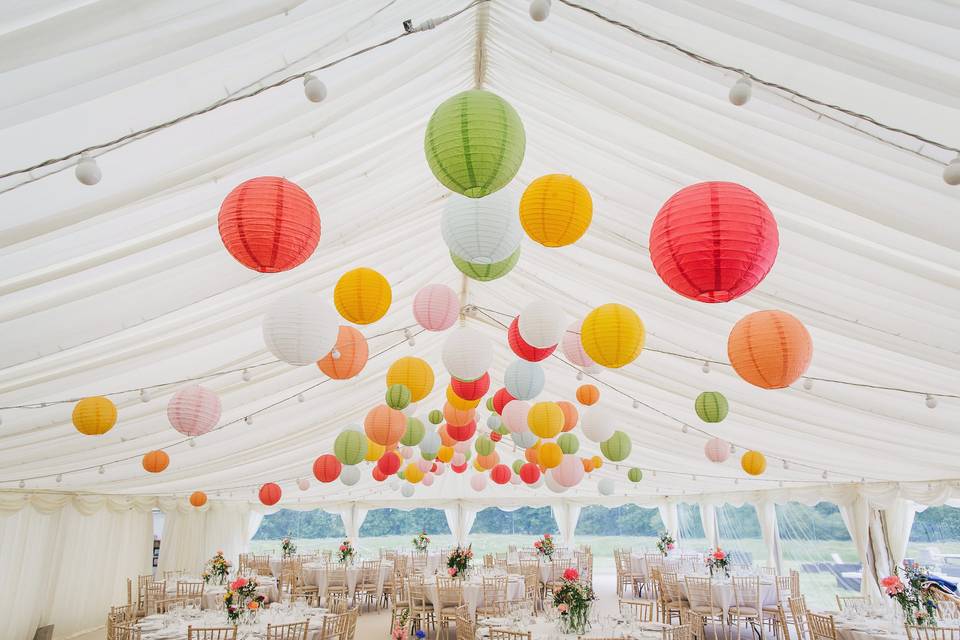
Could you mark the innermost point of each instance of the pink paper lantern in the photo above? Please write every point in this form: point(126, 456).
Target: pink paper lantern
point(569, 472)
point(515, 415)
point(406, 452)
point(436, 307)
point(458, 459)
point(425, 465)
point(572, 346)
point(427, 479)
point(303, 484)
point(717, 450)
point(440, 469)
point(461, 447)
point(194, 410)
point(478, 482)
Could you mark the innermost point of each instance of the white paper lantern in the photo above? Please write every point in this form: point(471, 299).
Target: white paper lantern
point(467, 354)
point(458, 459)
point(569, 472)
point(349, 475)
point(478, 482)
point(394, 484)
point(515, 479)
point(424, 465)
point(406, 452)
point(430, 444)
point(552, 484)
point(436, 307)
point(572, 347)
point(303, 484)
point(606, 486)
point(193, 410)
point(494, 421)
point(541, 323)
point(598, 423)
point(524, 380)
point(717, 450)
point(300, 329)
point(482, 230)
point(461, 447)
point(407, 490)
point(524, 439)
point(515, 415)
point(440, 469)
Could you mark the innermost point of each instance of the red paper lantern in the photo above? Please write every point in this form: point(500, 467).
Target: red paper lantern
point(524, 350)
point(269, 224)
point(327, 468)
point(713, 241)
point(500, 399)
point(495, 436)
point(530, 473)
point(433, 468)
point(389, 463)
point(462, 433)
point(472, 390)
point(378, 475)
point(459, 468)
point(270, 494)
point(501, 474)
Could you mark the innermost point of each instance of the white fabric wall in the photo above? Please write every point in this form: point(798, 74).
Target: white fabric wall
point(671, 519)
point(460, 518)
point(708, 518)
point(191, 536)
point(767, 515)
point(567, 514)
point(353, 515)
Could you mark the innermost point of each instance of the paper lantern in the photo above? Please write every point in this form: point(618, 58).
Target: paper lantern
point(486, 272)
point(541, 323)
point(351, 353)
point(374, 451)
point(326, 468)
point(532, 453)
point(414, 433)
point(587, 464)
point(488, 461)
point(587, 394)
point(198, 499)
point(516, 466)
point(467, 353)
point(430, 444)
point(350, 447)
point(606, 486)
point(397, 396)
point(445, 438)
point(269, 224)
point(459, 403)
point(612, 335)
point(635, 475)
point(569, 472)
point(570, 414)
point(717, 450)
point(598, 423)
point(458, 459)
point(194, 410)
point(481, 230)
point(501, 474)
point(478, 482)
point(550, 455)
point(753, 462)
point(616, 447)
point(423, 465)
point(413, 373)
point(572, 347)
point(515, 415)
point(474, 143)
point(303, 483)
point(462, 433)
point(435, 416)
point(458, 468)
point(711, 406)
point(568, 443)
point(500, 399)
point(413, 474)
point(458, 417)
point(156, 461)
point(300, 329)
point(495, 436)
point(529, 473)
point(473, 389)
point(350, 476)
point(524, 438)
point(545, 419)
point(270, 493)
point(713, 241)
point(555, 210)
point(523, 380)
point(597, 462)
point(436, 307)
point(769, 349)
point(389, 463)
point(378, 475)
point(552, 484)
point(406, 452)
point(427, 480)
point(94, 416)
point(524, 350)
point(362, 296)
point(407, 491)
point(384, 425)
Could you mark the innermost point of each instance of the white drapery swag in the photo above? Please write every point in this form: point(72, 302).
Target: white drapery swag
point(460, 518)
point(767, 515)
point(191, 536)
point(708, 518)
point(353, 515)
point(670, 516)
point(567, 514)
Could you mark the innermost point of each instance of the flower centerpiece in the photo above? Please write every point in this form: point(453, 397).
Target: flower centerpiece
point(915, 595)
point(544, 546)
point(287, 547)
point(399, 631)
point(345, 553)
point(217, 569)
point(242, 600)
point(421, 542)
point(665, 544)
point(573, 601)
point(458, 563)
point(717, 560)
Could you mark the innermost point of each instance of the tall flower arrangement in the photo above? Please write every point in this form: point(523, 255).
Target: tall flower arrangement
point(544, 546)
point(287, 547)
point(573, 601)
point(665, 544)
point(717, 560)
point(345, 553)
point(458, 562)
point(421, 542)
point(242, 599)
point(217, 569)
point(914, 593)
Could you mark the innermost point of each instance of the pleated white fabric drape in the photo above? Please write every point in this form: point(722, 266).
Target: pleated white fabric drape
point(567, 514)
point(353, 516)
point(708, 518)
point(857, 516)
point(460, 518)
point(898, 521)
point(670, 516)
point(191, 536)
point(767, 515)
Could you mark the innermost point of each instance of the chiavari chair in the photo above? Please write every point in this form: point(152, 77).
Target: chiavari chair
point(291, 631)
point(821, 627)
point(855, 602)
point(300, 588)
point(334, 627)
point(673, 597)
point(697, 624)
point(336, 583)
point(554, 578)
point(142, 583)
point(798, 611)
point(154, 592)
point(926, 632)
point(747, 605)
point(508, 634)
point(700, 596)
point(422, 613)
point(466, 628)
point(637, 609)
point(211, 633)
point(449, 597)
point(120, 615)
point(352, 616)
point(337, 603)
point(190, 591)
point(399, 598)
point(679, 632)
point(126, 632)
point(492, 590)
point(948, 610)
point(367, 582)
point(500, 559)
point(261, 565)
point(169, 604)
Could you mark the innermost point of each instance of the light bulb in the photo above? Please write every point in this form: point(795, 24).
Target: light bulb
point(406, 334)
point(59, 477)
point(951, 173)
point(636, 404)
point(807, 384)
point(684, 428)
point(301, 397)
point(931, 402)
point(780, 483)
point(540, 10)
point(706, 367)
point(786, 465)
point(248, 419)
point(579, 375)
point(412, 341)
point(101, 470)
point(736, 481)
point(144, 395)
point(87, 171)
point(192, 442)
point(335, 354)
point(314, 88)
point(247, 375)
point(693, 477)
point(22, 484)
point(824, 475)
point(733, 449)
point(740, 91)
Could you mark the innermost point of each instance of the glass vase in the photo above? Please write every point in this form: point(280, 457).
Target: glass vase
point(575, 621)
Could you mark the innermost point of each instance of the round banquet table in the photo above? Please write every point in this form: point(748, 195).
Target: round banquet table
point(173, 625)
point(541, 628)
point(213, 593)
point(473, 592)
point(723, 592)
point(315, 573)
point(868, 628)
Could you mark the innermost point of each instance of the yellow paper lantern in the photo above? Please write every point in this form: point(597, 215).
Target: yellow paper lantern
point(362, 296)
point(413, 373)
point(413, 474)
point(445, 453)
point(612, 335)
point(374, 451)
point(94, 416)
point(753, 462)
point(459, 403)
point(550, 455)
point(477, 467)
point(556, 210)
point(545, 419)
point(597, 462)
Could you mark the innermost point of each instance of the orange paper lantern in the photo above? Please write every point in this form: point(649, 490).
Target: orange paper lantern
point(488, 461)
point(445, 438)
point(587, 394)
point(156, 461)
point(769, 349)
point(570, 414)
point(352, 352)
point(198, 498)
point(457, 417)
point(587, 464)
point(385, 426)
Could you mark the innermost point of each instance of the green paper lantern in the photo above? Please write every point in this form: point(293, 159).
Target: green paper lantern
point(350, 447)
point(711, 406)
point(486, 272)
point(635, 475)
point(484, 445)
point(435, 416)
point(474, 143)
point(398, 396)
point(402, 474)
point(467, 454)
point(490, 403)
point(414, 433)
point(568, 443)
point(429, 456)
point(502, 429)
point(516, 466)
point(617, 447)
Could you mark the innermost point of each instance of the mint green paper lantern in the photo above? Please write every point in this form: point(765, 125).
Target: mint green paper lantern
point(568, 443)
point(414, 433)
point(484, 445)
point(486, 272)
point(435, 416)
point(494, 421)
point(502, 429)
point(467, 454)
point(711, 406)
point(474, 143)
point(490, 403)
point(350, 447)
point(616, 447)
point(635, 475)
point(516, 466)
point(398, 396)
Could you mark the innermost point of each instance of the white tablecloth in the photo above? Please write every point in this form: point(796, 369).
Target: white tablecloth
point(433, 561)
point(315, 573)
point(543, 629)
point(868, 629)
point(173, 626)
point(723, 593)
point(473, 591)
point(212, 593)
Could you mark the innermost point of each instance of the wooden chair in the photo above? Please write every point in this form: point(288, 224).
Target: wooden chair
point(261, 565)
point(190, 591)
point(679, 632)
point(747, 606)
point(336, 583)
point(821, 627)
point(169, 604)
point(422, 612)
point(449, 597)
point(700, 596)
point(948, 610)
point(466, 629)
point(493, 590)
point(337, 604)
point(290, 568)
point(126, 632)
point(626, 577)
point(857, 602)
point(399, 599)
point(292, 631)
point(507, 634)
point(638, 609)
point(125, 614)
point(798, 610)
point(779, 612)
point(211, 633)
point(142, 583)
point(531, 584)
point(554, 578)
point(153, 592)
point(916, 632)
point(352, 616)
point(174, 574)
point(672, 596)
point(697, 624)
point(334, 627)
point(300, 588)
point(367, 583)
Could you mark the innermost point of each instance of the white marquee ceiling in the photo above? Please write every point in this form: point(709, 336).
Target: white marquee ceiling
point(126, 284)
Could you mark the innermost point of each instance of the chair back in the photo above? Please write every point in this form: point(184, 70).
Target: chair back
point(334, 627)
point(449, 591)
point(854, 603)
point(679, 632)
point(821, 627)
point(924, 632)
point(948, 610)
point(124, 632)
point(352, 616)
point(641, 610)
point(509, 634)
point(746, 592)
point(466, 628)
point(697, 623)
point(798, 611)
point(211, 633)
point(292, 631)
point(699, 591)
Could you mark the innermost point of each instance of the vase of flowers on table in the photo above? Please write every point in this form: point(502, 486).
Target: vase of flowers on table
point(421, 542)
point(573, 601)
point(242, 602)
point(914, 593)
point(458, 562)
point(665, 544)
point(287, 547)
point(217, 569)
point(717, 560)
point(345, 553)
point(544, 546)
